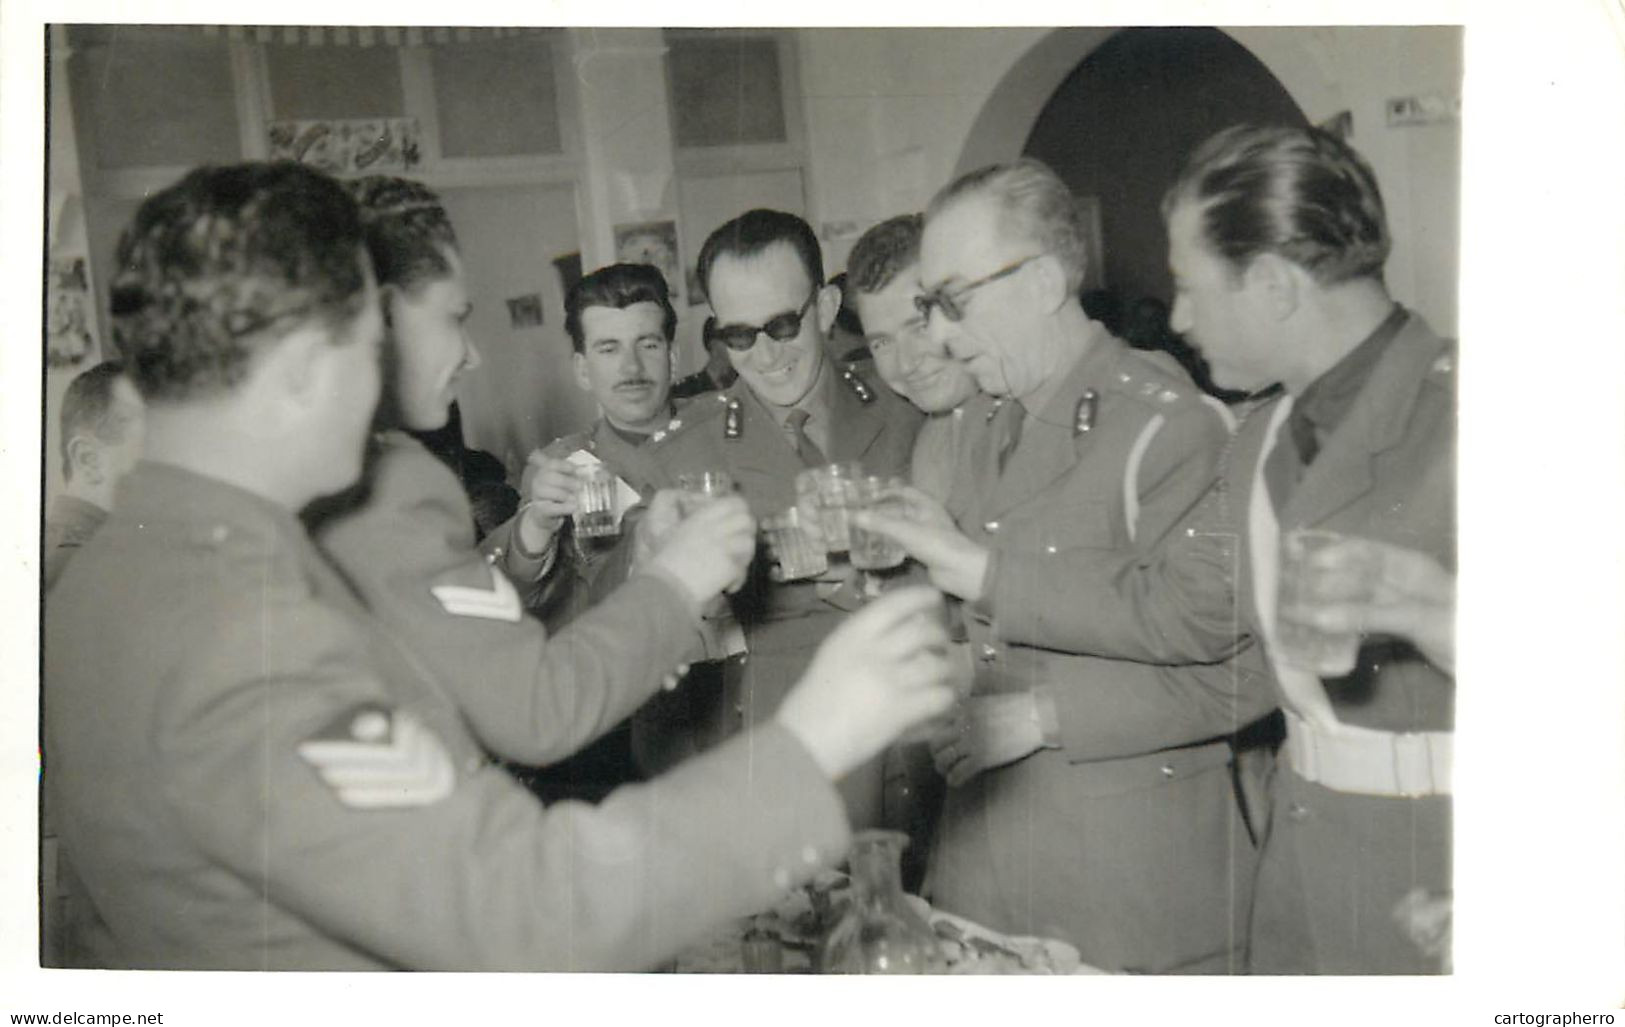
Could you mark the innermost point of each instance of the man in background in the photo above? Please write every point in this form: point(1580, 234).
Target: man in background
point(883, 279)
point(102, 429)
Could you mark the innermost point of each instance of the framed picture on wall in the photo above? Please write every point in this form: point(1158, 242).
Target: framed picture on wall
point(1094, 276)
point(653, 243)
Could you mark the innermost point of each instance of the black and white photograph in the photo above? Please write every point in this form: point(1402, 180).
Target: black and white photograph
point(977, 501)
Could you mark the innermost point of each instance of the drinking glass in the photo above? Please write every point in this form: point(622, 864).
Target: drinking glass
point(870, 550)
point(794, 550)
point(1303, 587)
point(596, 515)
point(833, 491)
point(701, 487)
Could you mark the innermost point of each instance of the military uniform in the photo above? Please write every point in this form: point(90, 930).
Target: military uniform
point(71, 523)
point(253, 773)
point(783, 623)
point(1360, 810)
point(1124, 838)
point(408, 549)
point(560, 587)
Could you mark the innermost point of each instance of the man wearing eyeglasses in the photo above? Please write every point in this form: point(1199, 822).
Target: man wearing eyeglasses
point(1090, 796)
point(790, 409)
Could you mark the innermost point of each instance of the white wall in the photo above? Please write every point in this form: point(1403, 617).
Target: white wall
point(892, 113)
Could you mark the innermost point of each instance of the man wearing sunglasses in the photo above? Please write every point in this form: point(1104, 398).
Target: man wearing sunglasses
point(790, 409)
point(1090, 796)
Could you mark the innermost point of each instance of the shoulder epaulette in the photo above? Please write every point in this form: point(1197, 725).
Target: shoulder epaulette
point(700, 410)
point(852, 375)
point(1140, 375)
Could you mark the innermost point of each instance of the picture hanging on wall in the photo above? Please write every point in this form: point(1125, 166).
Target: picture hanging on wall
point(525, 311)
point(653, 243)
point(68, 340)
point(349, 146)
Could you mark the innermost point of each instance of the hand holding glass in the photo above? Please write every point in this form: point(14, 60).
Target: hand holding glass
point(596, 513)
point(1305, 586)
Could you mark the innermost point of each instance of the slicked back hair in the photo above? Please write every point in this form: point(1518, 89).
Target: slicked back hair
point(224, 260)
point(1300, 193)
point(618, 286)
point(883, 252)
point(756, 230)
point(408, 230)
point(88, 409)
point(1033, 203)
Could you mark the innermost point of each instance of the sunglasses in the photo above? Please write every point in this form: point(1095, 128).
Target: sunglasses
point(740, 338)
point(952, 303)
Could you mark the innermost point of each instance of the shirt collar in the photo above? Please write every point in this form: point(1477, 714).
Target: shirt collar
point(1328, 399)
point(637, 438)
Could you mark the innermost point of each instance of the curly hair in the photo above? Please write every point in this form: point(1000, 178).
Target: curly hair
point(618, 286)
point(225, 261)
point(1300, 193)
point(408, 230)
point(883, 252)
point(1035, 203)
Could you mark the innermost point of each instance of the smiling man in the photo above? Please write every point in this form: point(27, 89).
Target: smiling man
point(791, 408)
point(883, 274)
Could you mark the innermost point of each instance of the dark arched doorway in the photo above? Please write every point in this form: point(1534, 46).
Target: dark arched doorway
point(1128, 114)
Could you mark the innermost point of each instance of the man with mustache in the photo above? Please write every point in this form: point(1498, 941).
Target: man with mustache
point(621, 324)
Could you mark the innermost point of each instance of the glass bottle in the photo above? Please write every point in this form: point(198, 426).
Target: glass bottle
point(879, 932)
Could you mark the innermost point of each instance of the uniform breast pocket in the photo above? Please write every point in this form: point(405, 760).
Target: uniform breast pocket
point(1077, 523)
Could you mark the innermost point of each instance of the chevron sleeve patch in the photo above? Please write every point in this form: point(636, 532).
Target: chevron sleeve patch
point(499, 602)
point(373, 757)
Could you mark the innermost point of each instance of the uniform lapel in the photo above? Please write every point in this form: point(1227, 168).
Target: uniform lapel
point(1048, 448)
point(620, 456)
point(1345, 470)
point(854, 425)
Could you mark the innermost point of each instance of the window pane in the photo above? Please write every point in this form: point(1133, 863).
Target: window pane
point(154, 96)
point(725, 90)
point(322, 82)
point(497, 98)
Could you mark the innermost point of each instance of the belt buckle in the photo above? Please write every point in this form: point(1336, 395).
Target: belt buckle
point(1413, 766)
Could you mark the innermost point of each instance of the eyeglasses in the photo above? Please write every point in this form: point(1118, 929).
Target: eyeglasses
point(951, 303)
point(781, 328)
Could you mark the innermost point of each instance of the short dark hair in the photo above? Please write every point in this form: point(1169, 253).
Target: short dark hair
point(884, 252)
point(754, 231)
point(87, 407)
point(1300, 193)
point(618, 286)
point(226, 255)
point(408, 230)
point(1035, 203)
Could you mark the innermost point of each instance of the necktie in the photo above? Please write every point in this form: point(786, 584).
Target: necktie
point(1014, 418)
point(806, 448)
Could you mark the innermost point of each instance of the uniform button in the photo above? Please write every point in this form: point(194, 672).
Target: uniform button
point(809, 856)
point(781, 879)
point(988, 652)
point(991, 527)
point(1167, 770)
point(1049, 549)
point(1298, 812)
point(739, 708)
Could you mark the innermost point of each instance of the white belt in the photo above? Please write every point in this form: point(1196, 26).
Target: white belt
point(1369, 762)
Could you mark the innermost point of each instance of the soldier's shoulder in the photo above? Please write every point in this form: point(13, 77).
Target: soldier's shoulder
point(1153, 378)
point(689, 418)
point(860, 378)
point(1441, 372)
